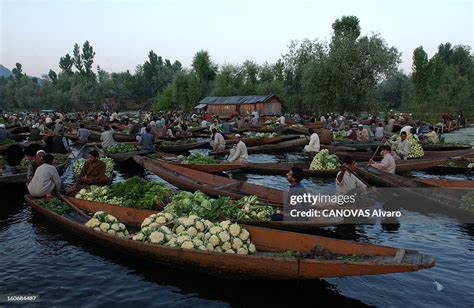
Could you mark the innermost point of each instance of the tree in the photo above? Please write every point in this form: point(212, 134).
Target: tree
point(77, 59)
point(65, 64)
point(205, 71)
point(17, 72)
point(87, 58)
point(53, 76)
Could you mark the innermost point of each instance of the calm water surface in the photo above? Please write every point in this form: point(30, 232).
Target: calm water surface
point(38, 258)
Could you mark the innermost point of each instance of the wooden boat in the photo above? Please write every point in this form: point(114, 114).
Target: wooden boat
point(297, 129)
point(357, 145)
point(446, 147)
point(180, 146)
point(210, 184)
point(6, 147)
point(451, 167)
point(365, 156)
point(320, 256)
point(20, 177)
point(461, 184)
point(276, 147)
point(252, 141)
point(282, 168)
point(123, 157)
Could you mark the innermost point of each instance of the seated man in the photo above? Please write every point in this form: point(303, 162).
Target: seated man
point(46, 180)
point(34, 164)
point(362, 134)
point(218, 141)
point(239, 152)
point(346, 181)
point(387, 164)
point(403, 147)
point(314, 144)
point(93, 171)
point(147, 142)
point(431, 136)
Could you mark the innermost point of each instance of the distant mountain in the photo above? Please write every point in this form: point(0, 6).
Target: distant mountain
point(4, 72)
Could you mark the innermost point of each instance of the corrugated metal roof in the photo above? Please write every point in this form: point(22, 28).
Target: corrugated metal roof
point(227, 100)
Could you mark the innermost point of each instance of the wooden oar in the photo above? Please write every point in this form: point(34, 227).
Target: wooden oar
point(74, 207)
point(381, 142)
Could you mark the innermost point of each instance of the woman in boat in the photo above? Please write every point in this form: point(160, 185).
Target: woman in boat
point(346, 181)
point(314, 144)
point(46, 180)
point(218, 141)
point(93, 171)
point(239, 152)
point(387, 164)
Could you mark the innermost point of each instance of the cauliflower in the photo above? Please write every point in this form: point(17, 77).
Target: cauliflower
point(252, 248)
point(210, 247)
point(104, 227)
point(242, 251)
point(192, 231)
point(156, 237)
point(237, 243)
point(218, 249)
point(229, 251)
point(111, 218)
point(197, 242)
point(244, 235)
point(208, 224)
point(214, 240)
point(199, 226)
point(179, 229)
point(215, 230)
point(202, 248)
point(187, 245)
point(97, 229)
point(207, 235)
point(146, 222)
point(234, 229)
point(165, 229)
point(224, 236)
point(160, 220)
point(225, 224)
point(83, 191)
point(168, 216)
point(138, 237)
point(193, 217)
point(183, 238)
point(171, 242)
point(115, 227)
point(120, 234)
point(111, 232)
point(78, 196)
point(92, 223)
point(226, 245)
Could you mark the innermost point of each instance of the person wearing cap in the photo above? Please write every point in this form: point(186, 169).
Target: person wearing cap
point(387, 164)
point(362, 134)
point(46, 180)
point(218, 141)
point(147, 141)
point(4, 133)
point(93, 171)
point(35, 161)
point(314, 144)
point(346, 181)
point(239, 152)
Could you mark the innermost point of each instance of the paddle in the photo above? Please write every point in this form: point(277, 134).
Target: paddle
point(74, 207)
point(380, 144)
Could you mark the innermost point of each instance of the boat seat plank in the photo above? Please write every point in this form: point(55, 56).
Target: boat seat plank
point(400, 255)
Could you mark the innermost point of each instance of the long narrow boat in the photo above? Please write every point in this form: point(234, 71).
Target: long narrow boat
point(280, 168)
point(461, 184)
point(180, 146)
point(123, 157)
point(320, 256)
point(210, 184)
point(365, 156)
point(277, 147)
point(446, 147)
point(5, 147)
point(451, 167)
point(134, 217)
point(252, 141)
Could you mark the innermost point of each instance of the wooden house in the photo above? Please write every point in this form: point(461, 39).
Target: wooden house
point(226, 106)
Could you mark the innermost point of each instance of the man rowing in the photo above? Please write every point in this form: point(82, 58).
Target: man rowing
point(346, 181)
point(387, 164)
point(239, 152)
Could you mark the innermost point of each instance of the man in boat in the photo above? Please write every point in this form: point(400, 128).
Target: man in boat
point(107, 137)
point(83, 134)
point(37, 161)
point(403, 147)
point(431, 136)
point(280, 128)
point(390, 124)
point(326, 136)
point(227, 127)
point(346, 180)
point(46, 180)
point(352, 133)
point(314, 145)
point(362, 134)
point(218, 141)
point(294, 177)
point(379, 132)
point(35, 133)
point(341, 125)
point(4, 133)
point(60, 144)
point(93, 171)
point(281, 119)
point(254, 121)
point(147, 141)
point(387, 164)
point(239, 152)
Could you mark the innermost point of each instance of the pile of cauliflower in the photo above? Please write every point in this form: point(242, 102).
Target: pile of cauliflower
point(193, 232)
point(106, 223)
point(79, 163)
point(324, 161)
point(98, 194)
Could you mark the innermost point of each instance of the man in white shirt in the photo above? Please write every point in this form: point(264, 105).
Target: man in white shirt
point(254, 121)
point(431, 136)
point(255, 114)
point(403, 147)
point(379, 132)
point(314, 144)
point(346, 181)
point(239, 153)
point(46, 179)
point(107, 138)
point(281, 119)
point(388, 163)
point(204, 123)
point(218, 141)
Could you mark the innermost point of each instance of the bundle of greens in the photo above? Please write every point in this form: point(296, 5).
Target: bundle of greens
point(339, 135)
point(200, 159)
point(7, 141)
point(55, 205)
point(265, 135)
point(120, 148)
point(324, 161)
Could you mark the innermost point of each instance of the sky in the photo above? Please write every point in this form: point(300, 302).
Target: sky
point(36, 33)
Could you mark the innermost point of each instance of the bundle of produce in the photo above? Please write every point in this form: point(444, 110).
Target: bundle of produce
point(55, 205)
point(193, 232)
point(106, 223)
point(99, 194)
point(138, 193)
point(265, 135)
point(3, 162)
point(416, 150)
point(60, 159)
point(339, 135)
point(198, 203)
point(120, 148)
point(269, 126)
point(7, 141)
point(324, 161)
point(79, 163)
point(200, 159)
